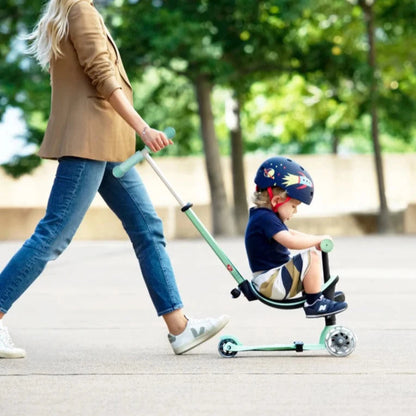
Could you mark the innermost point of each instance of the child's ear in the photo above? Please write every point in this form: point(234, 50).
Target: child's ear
point(275, 200)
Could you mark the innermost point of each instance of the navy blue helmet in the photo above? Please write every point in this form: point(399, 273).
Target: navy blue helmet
point(286, 174)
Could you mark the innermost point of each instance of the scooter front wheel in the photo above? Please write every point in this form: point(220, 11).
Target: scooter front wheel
point(225, 347)
point(340, 341)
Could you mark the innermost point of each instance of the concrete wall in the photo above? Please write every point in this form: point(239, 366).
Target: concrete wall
point(346, 196)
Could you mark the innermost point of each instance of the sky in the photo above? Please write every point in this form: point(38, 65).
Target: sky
point(10, 144)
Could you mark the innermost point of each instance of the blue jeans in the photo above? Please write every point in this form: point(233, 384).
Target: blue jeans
point(76, 183)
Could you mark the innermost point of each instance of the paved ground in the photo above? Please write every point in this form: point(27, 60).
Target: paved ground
point(95, 346)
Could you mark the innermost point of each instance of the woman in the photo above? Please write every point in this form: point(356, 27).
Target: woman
point(91, 128)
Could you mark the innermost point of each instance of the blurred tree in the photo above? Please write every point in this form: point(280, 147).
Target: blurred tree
point(252, 38)
point(22, 85)
point(173, 35)
point(259, 41)
point(381, 34)
point(392, 95)
point(367, 6)
point(343, 81)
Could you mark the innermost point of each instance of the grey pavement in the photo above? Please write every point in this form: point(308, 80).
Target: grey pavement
point(95, 346)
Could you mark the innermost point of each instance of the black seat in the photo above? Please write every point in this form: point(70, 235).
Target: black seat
point(251, 293)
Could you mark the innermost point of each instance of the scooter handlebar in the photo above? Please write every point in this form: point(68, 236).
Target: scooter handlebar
point(121, 169)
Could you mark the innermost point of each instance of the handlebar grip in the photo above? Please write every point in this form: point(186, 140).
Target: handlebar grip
point(121, 169)
point(327, 245)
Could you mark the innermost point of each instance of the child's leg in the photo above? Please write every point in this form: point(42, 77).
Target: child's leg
point(316, 304)
point(312, 281)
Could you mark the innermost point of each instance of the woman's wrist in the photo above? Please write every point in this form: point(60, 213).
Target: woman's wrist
point(143, 131)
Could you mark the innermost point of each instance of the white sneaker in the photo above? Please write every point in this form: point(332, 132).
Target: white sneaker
point(7, 348)
point(196, 332)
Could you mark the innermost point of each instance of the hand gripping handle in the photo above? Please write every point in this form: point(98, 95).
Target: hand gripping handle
point(121, 169)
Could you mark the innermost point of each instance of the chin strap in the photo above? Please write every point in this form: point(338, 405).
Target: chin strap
point(274, 208)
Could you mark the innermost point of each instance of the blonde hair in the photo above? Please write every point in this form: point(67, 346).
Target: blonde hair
point(49, 31)
point(261, 199)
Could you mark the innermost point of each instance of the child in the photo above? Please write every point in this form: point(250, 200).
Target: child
point(281, 186)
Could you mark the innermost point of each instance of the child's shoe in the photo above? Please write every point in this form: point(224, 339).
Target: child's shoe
point(196, 332)
point(7, 348)
point(324, 307)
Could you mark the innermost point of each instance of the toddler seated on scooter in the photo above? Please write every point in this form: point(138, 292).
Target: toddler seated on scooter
point(281, 186)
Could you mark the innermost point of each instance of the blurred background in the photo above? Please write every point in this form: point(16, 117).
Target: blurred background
point(330, 83)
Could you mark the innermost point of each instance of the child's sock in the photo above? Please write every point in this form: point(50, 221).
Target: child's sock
point(311, 298)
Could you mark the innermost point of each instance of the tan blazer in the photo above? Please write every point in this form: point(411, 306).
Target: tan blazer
point(82, 122)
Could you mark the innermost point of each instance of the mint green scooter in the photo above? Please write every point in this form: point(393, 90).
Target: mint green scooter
point(337, 340)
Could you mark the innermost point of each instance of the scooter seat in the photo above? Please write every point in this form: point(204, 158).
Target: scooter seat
point(251, 293)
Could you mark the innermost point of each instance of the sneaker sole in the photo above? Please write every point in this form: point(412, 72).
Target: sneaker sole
point(203, 338)
point(327, 314)
point(12, 355)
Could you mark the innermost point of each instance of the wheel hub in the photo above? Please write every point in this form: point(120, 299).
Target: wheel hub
point(340, 341)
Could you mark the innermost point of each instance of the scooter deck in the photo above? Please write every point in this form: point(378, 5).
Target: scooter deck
point(231, 345)
point(337, 340)
point(297, 346)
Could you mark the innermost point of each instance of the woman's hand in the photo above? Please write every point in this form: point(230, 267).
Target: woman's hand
point(154, 139)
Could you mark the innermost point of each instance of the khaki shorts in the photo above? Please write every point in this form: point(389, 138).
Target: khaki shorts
point(285, 281)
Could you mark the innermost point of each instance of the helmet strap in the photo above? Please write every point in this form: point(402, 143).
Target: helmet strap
point(271, 196)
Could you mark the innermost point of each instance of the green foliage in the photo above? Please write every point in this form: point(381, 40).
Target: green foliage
point(22, 84)
point(167, 100)
point(21, 165)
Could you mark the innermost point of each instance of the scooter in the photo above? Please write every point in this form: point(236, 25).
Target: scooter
point(337, 340)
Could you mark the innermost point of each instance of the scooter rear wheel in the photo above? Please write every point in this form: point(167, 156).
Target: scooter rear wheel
point(224, 347)
point(340, 341)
